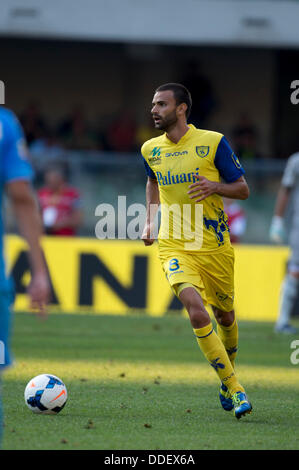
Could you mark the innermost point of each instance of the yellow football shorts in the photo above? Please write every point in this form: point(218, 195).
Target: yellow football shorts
point(211, 273)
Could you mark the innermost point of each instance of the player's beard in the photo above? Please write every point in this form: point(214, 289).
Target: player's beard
point(167, 123)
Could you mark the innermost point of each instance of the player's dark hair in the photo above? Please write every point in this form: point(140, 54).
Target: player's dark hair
point(181, 94)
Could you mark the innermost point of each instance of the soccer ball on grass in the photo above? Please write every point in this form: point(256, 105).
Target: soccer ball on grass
point(45, 394)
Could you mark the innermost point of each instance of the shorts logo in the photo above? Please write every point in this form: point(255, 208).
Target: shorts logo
point(221, 297)
point(202, 150)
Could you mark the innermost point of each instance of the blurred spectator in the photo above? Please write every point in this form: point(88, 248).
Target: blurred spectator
point(202, 93)
point(60, 203)
point(48, 145)
point(101, 125)
point(75, 132)
point(33, 123)
point(236, 219)
point(245, 138)
point(121, 134)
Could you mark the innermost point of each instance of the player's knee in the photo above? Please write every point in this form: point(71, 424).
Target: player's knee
point(195, 307)
point(224, 318)
point(198, 316)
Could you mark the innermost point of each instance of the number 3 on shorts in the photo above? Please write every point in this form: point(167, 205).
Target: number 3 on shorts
point(174, 264)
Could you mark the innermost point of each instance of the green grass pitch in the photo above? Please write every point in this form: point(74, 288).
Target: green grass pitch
point(139, 382)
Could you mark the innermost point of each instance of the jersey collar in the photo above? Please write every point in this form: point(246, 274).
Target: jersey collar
point(185, 136)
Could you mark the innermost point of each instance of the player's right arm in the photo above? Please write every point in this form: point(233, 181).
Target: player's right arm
point(152, 205)
point(152, 202)
point(17, 174)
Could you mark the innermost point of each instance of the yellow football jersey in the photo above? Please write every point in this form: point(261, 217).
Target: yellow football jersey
point(185, 224)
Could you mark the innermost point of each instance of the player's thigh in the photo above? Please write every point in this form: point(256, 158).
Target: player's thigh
point(218, 276)
point(180, 268)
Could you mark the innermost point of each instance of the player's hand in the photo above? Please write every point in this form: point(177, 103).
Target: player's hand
point(39, 293)
point(148, 234)
point(202, 189)
point(277, 231)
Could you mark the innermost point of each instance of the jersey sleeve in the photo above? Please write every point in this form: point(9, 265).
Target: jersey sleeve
point(148, 169)
point(227, 163)
point(14, 160)
point(291, 171)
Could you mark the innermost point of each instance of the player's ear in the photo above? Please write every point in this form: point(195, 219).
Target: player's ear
point(182, 108)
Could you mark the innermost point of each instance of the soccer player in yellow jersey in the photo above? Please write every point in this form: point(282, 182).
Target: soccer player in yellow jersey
point(189, 170)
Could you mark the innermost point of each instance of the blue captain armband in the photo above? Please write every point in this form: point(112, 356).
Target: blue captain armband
point(227, 163)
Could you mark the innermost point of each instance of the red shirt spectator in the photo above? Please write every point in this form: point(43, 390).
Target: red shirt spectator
point(236, 219)
point(60, 205)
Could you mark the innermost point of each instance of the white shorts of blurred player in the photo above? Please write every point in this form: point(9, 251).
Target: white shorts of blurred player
point(293, 263)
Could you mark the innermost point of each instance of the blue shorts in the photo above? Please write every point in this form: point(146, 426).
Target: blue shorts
point(6, 301)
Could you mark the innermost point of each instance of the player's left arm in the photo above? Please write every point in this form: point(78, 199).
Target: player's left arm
point(231, 172)
point(205, 188)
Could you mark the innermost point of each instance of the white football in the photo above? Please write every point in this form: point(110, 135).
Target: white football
point(45, 394)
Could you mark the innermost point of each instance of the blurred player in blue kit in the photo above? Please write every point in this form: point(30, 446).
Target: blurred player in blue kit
point(15, 180)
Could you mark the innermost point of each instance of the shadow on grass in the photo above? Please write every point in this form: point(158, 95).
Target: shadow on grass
point(138, 338)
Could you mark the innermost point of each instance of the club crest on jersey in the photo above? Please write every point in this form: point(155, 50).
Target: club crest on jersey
point(202, 150)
